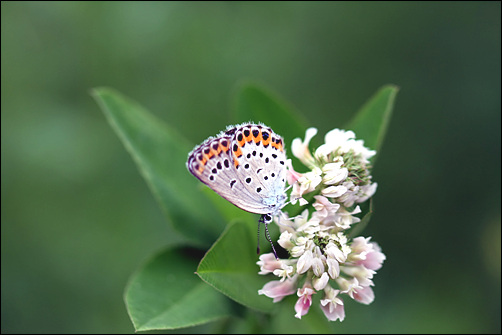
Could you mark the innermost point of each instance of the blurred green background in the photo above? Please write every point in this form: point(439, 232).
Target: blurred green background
point(77, 218)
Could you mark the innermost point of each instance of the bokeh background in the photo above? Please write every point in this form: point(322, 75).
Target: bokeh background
point(77, 218)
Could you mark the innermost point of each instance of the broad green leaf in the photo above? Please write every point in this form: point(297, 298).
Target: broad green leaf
point(257, 104)
point(372, 120)
point(230, 267)
point(166, 294)
point(160, 153)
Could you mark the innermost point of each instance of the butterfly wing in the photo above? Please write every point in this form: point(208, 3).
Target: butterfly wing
point(245, 165)
point(213, 163)
point(261, 165)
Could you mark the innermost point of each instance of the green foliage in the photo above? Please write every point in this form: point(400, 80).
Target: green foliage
point(371, 122)
point(255, 103)
point(160, 154)
point(230, 267)
point(165, 293)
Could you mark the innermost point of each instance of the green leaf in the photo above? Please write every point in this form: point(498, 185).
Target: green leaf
point(372, 120)
point(230, 267)
point(160, 154)
point(166, 294)
point(255, 103)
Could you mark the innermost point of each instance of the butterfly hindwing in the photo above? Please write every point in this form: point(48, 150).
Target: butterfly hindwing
point(245, 165)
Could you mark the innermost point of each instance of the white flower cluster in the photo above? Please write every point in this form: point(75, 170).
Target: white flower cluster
point(340, 164)
point(322, 259)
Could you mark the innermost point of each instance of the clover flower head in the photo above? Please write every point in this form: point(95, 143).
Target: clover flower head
point(323, 257)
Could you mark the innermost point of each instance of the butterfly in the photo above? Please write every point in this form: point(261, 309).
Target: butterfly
point(246, 165)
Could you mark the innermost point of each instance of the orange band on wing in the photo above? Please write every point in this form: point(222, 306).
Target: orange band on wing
point(242, 142)
point(249, 138)
point(209, 155)
point(216, 151)
point(277, 145)
point(238, 152)
point(224, 148)
point(265, 142)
